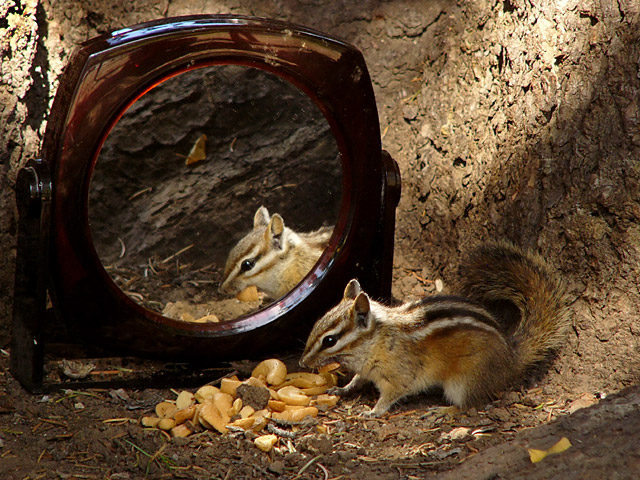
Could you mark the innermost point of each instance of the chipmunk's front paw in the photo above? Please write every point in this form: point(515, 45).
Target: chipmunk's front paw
point(342, 391)
point(371, 414)
point(382, 406)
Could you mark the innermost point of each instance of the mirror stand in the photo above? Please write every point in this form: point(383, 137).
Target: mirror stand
point(33, 197)
point(391, 190)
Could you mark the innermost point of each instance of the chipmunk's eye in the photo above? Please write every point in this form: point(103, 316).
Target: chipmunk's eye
point(248, 264)
point(329, 341)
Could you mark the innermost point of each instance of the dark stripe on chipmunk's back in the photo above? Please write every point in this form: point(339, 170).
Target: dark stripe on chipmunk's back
point(431, 309)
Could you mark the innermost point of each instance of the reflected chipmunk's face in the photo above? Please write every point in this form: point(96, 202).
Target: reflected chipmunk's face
point(272, 257)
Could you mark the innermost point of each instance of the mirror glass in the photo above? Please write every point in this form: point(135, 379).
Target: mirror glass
point(179, 183)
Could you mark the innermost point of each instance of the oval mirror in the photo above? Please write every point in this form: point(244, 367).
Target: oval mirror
point(220, 176)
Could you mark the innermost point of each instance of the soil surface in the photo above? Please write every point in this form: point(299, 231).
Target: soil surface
point(96, 433)
point(512, 119)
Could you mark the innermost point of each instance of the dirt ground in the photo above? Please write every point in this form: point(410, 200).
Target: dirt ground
point(511, 119)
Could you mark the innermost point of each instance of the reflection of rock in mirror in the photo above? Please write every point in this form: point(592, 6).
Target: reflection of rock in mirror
point(163, 229)
point(272, 257)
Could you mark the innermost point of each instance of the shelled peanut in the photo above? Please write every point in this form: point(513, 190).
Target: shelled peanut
point(270, 393)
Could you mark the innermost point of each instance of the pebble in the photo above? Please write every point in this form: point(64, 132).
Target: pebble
point(410, 112)
point(458, 434)
point(319, 445)
point(510, 398)
point(501, 414)
point(346, 456)
point(276, 467)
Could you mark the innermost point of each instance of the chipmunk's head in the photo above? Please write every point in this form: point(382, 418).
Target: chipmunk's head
point(341, 334)
point(252, 260)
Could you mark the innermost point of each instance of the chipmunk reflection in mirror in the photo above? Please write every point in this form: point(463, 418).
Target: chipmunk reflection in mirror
point(272, 256)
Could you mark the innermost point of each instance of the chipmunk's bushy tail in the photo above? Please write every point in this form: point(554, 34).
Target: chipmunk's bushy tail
point(498, 272)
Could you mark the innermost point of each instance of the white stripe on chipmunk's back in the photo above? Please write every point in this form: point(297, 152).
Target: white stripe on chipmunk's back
point(452, 322)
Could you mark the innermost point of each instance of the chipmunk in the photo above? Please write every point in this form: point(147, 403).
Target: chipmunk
point(454, 342)
point(272, 257)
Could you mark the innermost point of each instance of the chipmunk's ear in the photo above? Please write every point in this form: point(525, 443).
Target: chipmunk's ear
point(361, 307)
point(352, 290)
point(274, 231)
point(261, 218)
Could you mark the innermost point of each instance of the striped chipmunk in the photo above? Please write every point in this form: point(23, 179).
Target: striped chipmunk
point(272, 257)
point(453, 342)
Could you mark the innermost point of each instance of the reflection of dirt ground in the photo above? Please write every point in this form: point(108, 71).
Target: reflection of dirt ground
point(508, 119)
point(178, 292)
point(164, 229)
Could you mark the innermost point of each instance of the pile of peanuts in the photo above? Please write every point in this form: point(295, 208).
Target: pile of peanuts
point(281, 396)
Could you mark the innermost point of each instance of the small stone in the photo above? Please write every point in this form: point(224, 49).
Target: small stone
point(442, 453)
point(472, 412)
point(426, 131)
point(76, 370)
point(120, 476)
point(510, 398)
point(319, 445)
point(346, 456)
point(276, 467)
point(256, 397)
point(458, 434)
point(410, 112)
point(532, 401)
point(585, 400)
point(500, 414)
point(265, 442)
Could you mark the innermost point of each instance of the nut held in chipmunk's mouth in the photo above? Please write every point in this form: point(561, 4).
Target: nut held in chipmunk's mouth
point(329, 367)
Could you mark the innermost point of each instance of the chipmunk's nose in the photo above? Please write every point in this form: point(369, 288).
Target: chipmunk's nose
point(224, 287)
point(302, 362)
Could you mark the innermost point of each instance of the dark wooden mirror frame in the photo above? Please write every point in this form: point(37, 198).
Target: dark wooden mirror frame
point(108, 74)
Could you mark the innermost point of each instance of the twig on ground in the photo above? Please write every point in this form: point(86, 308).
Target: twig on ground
point(179, 252)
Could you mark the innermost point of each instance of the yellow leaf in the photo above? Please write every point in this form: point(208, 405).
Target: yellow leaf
point(562, 445)
point(197, 152)
point(538, 455)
